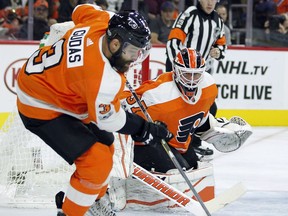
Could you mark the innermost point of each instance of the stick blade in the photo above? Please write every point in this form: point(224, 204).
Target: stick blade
point(226, 197)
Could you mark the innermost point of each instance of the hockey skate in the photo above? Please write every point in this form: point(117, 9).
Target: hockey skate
point(60, 214)
point(117, 193)
point(59, 202)
point(101, 207)
point(204, 153)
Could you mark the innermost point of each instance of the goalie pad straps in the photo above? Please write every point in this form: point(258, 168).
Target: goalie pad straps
point(227, 136)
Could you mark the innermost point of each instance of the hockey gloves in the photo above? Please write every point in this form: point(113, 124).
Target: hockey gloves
point(153, 133)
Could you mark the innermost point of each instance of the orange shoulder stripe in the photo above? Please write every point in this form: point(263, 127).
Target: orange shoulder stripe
point(221, 41)
point(178, 34)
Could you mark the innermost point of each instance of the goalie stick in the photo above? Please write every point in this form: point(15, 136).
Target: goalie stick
point(167, 190)
point(173, 194)
point(168, 151)
point(182, 199)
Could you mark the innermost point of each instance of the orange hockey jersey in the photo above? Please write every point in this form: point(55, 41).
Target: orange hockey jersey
point(164, 103)
point(73, 76)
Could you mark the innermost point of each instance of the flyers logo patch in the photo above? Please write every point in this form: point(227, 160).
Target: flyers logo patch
point(187, 126)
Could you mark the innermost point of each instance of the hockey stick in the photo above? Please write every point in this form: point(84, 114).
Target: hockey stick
point(168, 150)
point(167, 190)
point(182, 199)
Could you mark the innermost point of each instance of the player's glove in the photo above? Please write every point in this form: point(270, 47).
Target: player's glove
point(153, 133)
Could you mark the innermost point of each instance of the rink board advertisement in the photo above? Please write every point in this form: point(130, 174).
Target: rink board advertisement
point(13, 55)
point(252, 83)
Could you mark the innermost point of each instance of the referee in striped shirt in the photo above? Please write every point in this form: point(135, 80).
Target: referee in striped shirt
point(201, 28)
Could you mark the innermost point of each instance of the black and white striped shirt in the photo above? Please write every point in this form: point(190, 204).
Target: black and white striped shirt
point(194, 28)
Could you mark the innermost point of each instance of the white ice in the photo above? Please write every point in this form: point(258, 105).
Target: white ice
point(261, 164)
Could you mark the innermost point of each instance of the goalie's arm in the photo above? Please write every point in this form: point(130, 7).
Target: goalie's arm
point(204, 125)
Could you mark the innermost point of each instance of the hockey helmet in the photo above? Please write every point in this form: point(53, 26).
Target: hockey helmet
point(131, 27)
point(189, 67)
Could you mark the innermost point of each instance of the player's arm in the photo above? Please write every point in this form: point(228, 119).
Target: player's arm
point(148, 133)
point(89, 13)
point(174, 43)
point(131, 106)
point(225, 135)
point(57, 31)
point(219, 47)
point(112, 117)
point(81, 14)
point(129, 103)
point(178, 33)
point(218, 50)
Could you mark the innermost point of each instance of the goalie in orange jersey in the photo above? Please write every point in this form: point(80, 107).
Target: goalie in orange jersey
point(181, 99)
point(68, 95)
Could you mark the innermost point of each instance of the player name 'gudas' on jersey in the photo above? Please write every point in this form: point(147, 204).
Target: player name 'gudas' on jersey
point(164, 103)
point(73, 76)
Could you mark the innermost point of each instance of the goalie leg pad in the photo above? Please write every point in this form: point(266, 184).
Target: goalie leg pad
point(123, 156)
point(142, 197)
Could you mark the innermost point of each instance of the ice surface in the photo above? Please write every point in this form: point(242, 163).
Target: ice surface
point(261, 164)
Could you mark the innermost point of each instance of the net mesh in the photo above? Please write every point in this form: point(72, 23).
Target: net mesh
point(30, 171)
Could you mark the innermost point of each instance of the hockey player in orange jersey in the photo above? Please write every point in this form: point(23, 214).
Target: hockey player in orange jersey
point(181, 99)
point(68, 95)
point(199, 27)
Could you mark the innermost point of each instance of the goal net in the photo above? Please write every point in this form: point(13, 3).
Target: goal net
point(31, 173)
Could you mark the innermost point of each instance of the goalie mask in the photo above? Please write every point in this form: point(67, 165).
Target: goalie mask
point(189, 67)
point(132, 30)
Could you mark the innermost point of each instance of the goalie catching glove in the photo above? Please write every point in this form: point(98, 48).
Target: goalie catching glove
point(226, 135)
point(153, 133)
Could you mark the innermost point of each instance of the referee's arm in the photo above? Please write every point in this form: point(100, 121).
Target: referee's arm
point(220, 45)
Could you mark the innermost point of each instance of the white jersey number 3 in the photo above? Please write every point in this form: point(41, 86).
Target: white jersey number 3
point(41, 61)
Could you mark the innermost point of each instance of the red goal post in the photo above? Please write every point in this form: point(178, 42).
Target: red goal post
point(139, 73)
point(145, 69)
point(154, 64)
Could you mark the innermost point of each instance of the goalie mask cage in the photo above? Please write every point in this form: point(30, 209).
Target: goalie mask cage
point(31, 173)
